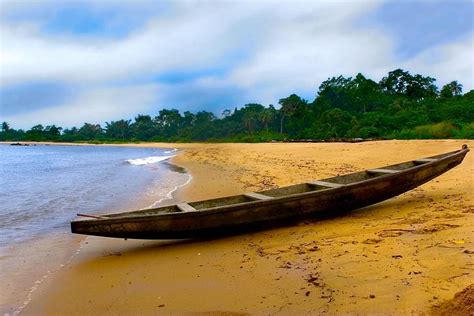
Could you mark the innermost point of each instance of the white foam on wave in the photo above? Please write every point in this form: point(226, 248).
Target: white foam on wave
point(38, 283)
point(171, 151)
point(147, 160)
point(169, 195)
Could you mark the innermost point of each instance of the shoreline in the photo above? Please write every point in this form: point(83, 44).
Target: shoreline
point(21, 285)
point(276, 270)
point(171, 194)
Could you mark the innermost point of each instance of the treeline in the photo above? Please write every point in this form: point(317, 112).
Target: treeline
point(401, 106)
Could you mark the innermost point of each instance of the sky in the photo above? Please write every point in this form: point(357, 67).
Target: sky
point(70, 62)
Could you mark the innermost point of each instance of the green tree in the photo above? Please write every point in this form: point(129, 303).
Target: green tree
point(422, 87)
point(338, 123)
point(451, 89)
point(143, 127)
point(251, 116)
point(204, 127)
point(334, 92)
point(401, 82)
point(70, 134)
point(401, 105)
point(118, 129)
point(37, 128)
point(5, 127)
point(52, 131)
point(395, 82)
point(289, 106)
point(7, 133)
point(365, 94)
point(36, 133)
point(456, 88)
point(188, 119)
point(266, 116)
point(168, 122)
point(90, 131)
point(226, 113)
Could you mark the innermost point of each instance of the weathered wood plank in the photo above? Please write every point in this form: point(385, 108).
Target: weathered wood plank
point(92, 216)
point(258, 196)
point(185, 207)
point(424, 160)
point(326, 184)
point(382, 171)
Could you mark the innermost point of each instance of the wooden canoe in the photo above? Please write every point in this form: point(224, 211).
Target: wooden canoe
point(271, 207)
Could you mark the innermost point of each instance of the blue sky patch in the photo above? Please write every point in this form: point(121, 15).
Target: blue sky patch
point(31, 96)
point(418, 25)
point(82, 18)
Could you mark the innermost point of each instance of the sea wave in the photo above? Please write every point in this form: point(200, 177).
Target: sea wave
point(171, 151)
point(147, 160)
point(169, 195)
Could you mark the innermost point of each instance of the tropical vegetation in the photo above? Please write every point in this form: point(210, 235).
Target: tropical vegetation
point(401, 105)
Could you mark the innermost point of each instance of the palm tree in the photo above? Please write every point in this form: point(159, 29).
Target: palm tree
point(249, 120)
point(456, 88)
point(226, 113)
point(451, 89)
point(288, 108)
point(5, 127)
point(266, 116)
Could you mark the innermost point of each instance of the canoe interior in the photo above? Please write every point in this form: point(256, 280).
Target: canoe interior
point(151, 211)
point(292, 189)
point(230, 200)
point(281, 192)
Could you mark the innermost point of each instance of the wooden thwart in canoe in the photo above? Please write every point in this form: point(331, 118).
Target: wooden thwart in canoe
point(269, 207)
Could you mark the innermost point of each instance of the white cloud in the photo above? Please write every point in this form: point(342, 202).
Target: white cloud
point(300, 61)
point(194, 36)
point(94, 106)
point(185, 40)
point(265, 50)
point(453, 61)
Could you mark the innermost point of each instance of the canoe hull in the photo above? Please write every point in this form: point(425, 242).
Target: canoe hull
point(268, 213)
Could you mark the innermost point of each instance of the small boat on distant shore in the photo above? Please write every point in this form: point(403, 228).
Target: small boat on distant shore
point(270, 208)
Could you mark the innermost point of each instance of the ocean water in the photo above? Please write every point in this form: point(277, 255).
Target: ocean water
point(43, 187)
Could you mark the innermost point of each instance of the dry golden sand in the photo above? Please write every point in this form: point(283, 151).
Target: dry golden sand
point(405, 255)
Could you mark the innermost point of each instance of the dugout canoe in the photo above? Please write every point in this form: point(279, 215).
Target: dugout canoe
point(273, 207)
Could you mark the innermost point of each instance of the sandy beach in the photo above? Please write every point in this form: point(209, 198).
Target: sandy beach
point(407, 255)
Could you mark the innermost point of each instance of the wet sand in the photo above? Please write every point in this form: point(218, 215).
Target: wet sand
point(406, 255)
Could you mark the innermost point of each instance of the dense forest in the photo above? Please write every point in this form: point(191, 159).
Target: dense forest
point(401, 105)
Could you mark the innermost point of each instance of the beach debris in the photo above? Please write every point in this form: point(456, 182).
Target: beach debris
point(399, 230)
point(304, 248)
point(286, 265)
point(392, 232)
point(435, 228)
point(372, 296)
point(469, 252)
point(371, 241)
point(312, 279)
point(457, 276)
point(397, 256)
point(426, 230)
